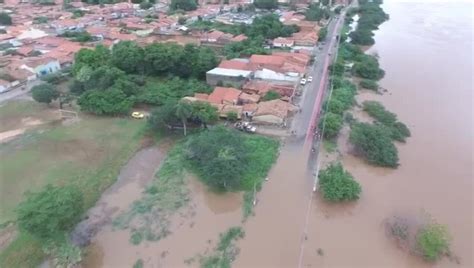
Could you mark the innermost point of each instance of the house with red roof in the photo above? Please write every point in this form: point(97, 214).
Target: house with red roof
point(224, 95)
point(282, 42)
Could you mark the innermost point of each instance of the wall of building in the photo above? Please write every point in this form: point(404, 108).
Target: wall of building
point(50, 67)
point(235, 81)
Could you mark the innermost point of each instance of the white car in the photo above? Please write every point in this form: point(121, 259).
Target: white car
point(310, 78)
point(303, 82)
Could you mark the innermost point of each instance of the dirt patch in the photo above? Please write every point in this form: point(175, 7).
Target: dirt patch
point(7, 235)
point(7, 136)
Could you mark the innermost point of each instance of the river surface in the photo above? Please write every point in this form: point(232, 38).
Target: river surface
point(426, 49)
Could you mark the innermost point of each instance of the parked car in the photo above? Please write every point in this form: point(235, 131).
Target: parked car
point(245, 126)
point(310, 78)
point(303, 81)
point(138, 115)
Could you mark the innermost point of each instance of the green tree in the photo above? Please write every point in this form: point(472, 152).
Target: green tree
point(338, 185)
point(92, 58)
point(50, 212)
point(205, 61)
point(182, 20)
point(106, 102)
point(332, 125)
point(398, 130)
point(316, 13)
point(232, 116)
point(164, 116)
point(146, 5)
point(184, 110)
point(5, 19)
point(374, 142)
point(204, 113)
point(323, 32)
point(128, 56)
point(219, 157)
point(186, 5)
point(271, 95)
point(266, 4)
point(369, 84)
point(44, 93)
point(335, 106)
point(368, 67)
point(362, 37)
point(103, 77)
point(433, 241)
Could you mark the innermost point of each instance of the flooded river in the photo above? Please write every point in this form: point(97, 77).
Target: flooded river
point(426, 50)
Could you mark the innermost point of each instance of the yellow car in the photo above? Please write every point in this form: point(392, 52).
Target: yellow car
point(138, 115)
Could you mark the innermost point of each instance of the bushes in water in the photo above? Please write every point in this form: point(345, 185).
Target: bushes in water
point(368, 67)
point(369, 84)
point(432, 241)
point(374, 143)
point(336, 184)
point(371, 16)
point(398, 130)
point(423, 237)
point(227, 160)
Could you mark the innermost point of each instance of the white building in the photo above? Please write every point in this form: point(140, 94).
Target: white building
point(42, 66)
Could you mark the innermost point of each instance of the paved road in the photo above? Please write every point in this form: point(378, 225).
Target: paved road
point(312, 92)
point(17, 92)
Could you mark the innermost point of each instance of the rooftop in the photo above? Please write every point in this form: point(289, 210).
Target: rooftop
point(229, 72)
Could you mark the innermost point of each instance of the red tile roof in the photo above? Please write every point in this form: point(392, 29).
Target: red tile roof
point(224, 94)
point(267, 60)
point(234, 64)
point(239, 38)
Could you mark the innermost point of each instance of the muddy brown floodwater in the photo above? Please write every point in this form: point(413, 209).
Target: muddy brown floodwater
point(194, 229)
point(426, 50)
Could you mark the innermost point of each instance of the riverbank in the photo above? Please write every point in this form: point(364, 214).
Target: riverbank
point(437, 149)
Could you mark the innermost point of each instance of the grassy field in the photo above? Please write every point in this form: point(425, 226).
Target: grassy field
point(88, 153)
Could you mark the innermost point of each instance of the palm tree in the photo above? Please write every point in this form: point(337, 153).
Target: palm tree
point(183, 111)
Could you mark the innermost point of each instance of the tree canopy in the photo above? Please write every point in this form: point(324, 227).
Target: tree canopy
point(270, 27)
point(246, 48)
point(174, 112)
point(398, 130)
point(266, 4)
point(227, 160)
point(219, 156)
point(374, 142)
point(186, 5)
point(111, 101)
point(368, 67)
point(337, 185)
point(5, 19)
point(51, 211)
point(332, 125)
point(371, 16)
point(317, 13)
point(111, 82)
point(44, 93)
